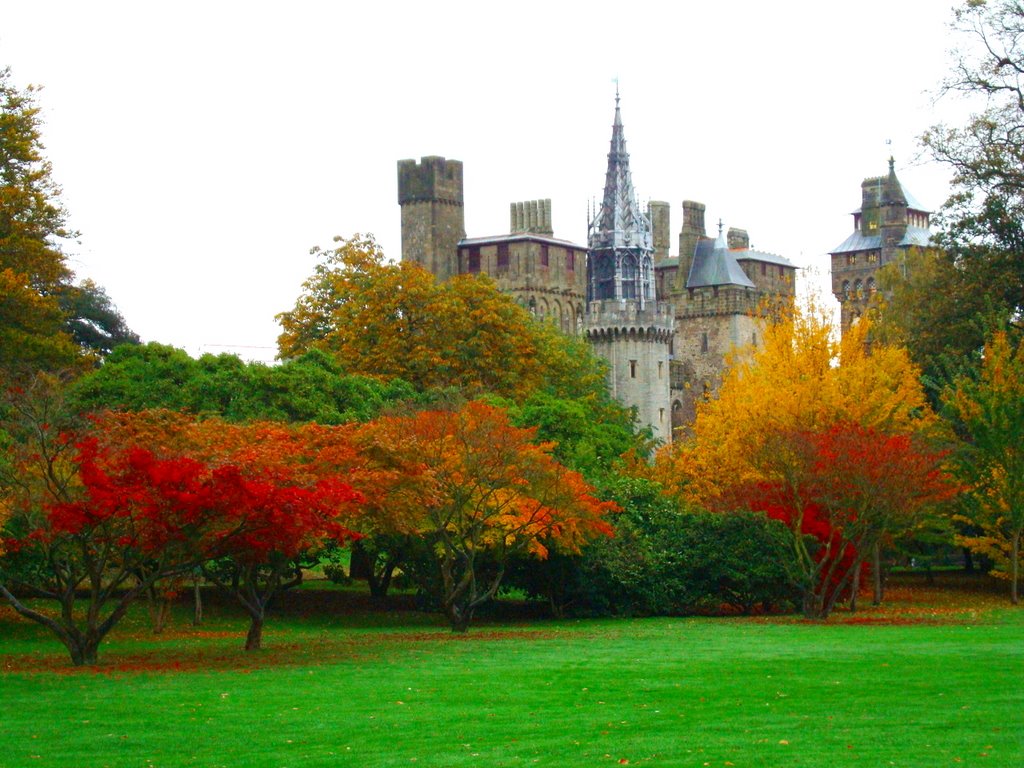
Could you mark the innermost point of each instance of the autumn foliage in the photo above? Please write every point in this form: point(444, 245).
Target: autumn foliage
point(393, 320)
point(833, 437)
point(113, 518)
point(478, 489)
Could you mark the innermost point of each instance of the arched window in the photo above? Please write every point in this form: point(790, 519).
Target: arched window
point(629, 277)
point(846, 289)
point(871, 286)
point(858, 290)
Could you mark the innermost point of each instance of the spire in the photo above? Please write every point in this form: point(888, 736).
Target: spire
point(619, 223)
point(620, 263)
point(893, 193)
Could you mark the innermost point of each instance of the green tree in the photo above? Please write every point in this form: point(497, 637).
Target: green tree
point(990, 410)
point(92, 320)
point(309, 388)
point(976, 281)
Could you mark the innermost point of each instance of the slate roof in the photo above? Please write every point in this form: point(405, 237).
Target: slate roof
point(770, 258)
point(516, 237)
point(715, 264)
point(860, 242)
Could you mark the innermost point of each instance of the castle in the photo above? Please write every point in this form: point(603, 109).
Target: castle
point(664, 324)
point(888, 223)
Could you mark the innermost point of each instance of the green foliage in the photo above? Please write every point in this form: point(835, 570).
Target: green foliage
point(664, 560)
point(309, 388)
point(92, 320)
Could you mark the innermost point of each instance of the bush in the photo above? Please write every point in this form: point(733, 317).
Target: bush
point(665, 561)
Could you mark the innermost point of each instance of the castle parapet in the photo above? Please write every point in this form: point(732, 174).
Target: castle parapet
point(655, 320)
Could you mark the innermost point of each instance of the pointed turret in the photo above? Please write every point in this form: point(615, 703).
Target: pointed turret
point(620, 262)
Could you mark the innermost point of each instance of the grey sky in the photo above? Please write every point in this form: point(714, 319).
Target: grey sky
point(204, 147)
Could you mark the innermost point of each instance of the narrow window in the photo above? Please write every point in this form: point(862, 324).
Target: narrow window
point(753, 338)
point(570, 261)
point(704, 342)
point(661, 365)
point(661, 415)
point(764, 268)
point(474, 259)
point(502, 255)
point(544, 254)
point(632, 369)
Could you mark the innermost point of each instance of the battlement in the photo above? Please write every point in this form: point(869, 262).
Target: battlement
point(531, 216)
point(431, 180)
point(623, 316)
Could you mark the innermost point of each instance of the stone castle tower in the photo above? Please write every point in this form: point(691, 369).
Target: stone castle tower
point(664, 356)
point(888, 223)
point(433, 214)
point(624, 322)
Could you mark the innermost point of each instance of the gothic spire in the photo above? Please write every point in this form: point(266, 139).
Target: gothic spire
point(620, 262)
point(619, 222)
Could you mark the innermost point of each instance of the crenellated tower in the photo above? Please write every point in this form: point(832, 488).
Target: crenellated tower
point(433, 213)
point(625, 324)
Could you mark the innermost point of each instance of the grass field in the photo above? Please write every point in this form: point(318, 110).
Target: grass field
point(934, 678)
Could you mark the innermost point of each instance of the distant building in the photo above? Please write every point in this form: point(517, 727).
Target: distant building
point(888, 223)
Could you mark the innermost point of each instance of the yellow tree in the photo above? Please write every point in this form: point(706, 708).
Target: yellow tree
point(802, 381)
point(990, 409)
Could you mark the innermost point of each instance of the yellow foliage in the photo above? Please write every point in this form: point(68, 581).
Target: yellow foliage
point(801, 377)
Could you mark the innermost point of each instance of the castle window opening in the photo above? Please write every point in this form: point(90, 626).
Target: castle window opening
point(570, 261)
point(544, 255)
point(661, 366)
point(873, 257)
point(851, 259)
point(661, 415)
point(764, 268)
point(474, 260)
point(632, 369)
point(782, 271)
point(753, 338)
point(502, 255)
point(704, 342)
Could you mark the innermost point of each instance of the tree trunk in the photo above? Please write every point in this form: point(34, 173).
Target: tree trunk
point(197, 599)
point(1015, 570)
point(254, 639)
point(876, 567)
point(854, 591)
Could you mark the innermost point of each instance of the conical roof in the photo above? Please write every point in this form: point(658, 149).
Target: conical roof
point(619, 223)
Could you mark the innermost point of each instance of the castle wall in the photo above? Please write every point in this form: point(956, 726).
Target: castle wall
point(636, 345)
point(545, 276)
point(702, 344)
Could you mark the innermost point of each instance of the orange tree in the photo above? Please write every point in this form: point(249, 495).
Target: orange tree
point(394, 321)
point(989, 407)
point(799, 397)
point(478, 491)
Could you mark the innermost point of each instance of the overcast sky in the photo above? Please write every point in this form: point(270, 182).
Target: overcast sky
point(203, 148)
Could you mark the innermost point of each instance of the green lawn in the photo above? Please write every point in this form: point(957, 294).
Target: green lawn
point(933, 679)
